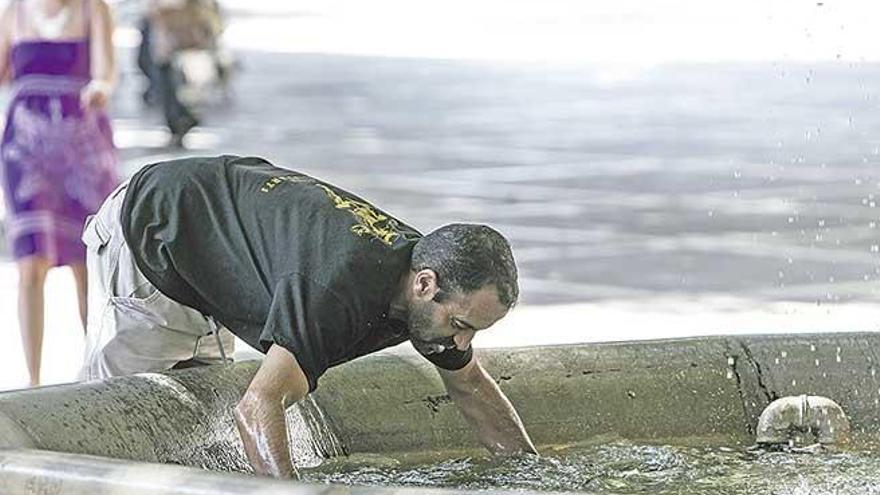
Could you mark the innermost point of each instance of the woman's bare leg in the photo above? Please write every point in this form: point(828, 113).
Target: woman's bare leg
point(31, 281)
point(82, 292)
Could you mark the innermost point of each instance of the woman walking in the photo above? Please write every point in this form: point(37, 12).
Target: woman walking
point(57, 160)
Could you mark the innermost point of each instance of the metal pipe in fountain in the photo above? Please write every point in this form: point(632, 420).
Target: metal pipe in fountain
point(803, 420)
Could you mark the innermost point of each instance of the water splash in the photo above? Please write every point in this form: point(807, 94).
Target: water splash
point(625, 468)
point(311, 436)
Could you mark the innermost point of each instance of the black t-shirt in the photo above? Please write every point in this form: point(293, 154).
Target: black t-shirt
point(274, 255)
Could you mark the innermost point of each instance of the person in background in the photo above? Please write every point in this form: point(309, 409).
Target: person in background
point(57, 159)
point(174, 26)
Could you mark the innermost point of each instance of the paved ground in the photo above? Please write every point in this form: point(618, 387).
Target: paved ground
point(680, 196)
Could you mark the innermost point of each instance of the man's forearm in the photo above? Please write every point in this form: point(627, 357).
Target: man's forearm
point(491, 414)
point(263, 429)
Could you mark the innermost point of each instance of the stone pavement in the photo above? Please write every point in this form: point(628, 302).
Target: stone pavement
point(677, 194)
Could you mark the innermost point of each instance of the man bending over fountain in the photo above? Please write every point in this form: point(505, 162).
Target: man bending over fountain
point(313, 276)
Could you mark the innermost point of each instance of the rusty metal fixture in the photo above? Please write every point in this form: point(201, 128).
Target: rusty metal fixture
point(803, 420)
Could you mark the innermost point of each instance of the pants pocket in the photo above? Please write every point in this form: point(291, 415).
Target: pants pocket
point(138, 311)
point(91, 237)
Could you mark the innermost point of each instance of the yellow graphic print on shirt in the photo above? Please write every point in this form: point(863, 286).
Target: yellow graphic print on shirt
point(274, 181)
point(370, 221)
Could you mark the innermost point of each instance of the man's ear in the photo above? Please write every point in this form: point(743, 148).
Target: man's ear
point(425, 284)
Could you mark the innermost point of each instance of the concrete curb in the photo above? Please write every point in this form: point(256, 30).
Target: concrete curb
point(711, 389)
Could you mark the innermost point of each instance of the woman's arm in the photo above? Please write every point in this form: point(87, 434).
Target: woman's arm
point(103, 58)
point(7, 23)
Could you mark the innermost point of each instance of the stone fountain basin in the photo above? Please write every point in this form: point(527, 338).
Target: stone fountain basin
point(671, 391)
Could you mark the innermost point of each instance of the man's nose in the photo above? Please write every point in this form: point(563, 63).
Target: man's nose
point(463, 339)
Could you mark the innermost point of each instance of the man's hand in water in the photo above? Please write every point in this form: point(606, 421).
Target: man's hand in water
point(487, 410)
point(260, 418)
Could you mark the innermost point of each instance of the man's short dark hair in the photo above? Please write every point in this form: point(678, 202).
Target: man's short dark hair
point(467, 257)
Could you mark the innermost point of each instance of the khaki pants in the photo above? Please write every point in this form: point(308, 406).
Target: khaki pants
point(132, 327)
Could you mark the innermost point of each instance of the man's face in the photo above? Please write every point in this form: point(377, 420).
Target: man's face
point(435, 327)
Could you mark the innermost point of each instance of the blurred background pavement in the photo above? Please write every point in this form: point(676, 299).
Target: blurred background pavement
point(662, 168)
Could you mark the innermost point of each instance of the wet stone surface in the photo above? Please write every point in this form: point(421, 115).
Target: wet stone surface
point(624, 468)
